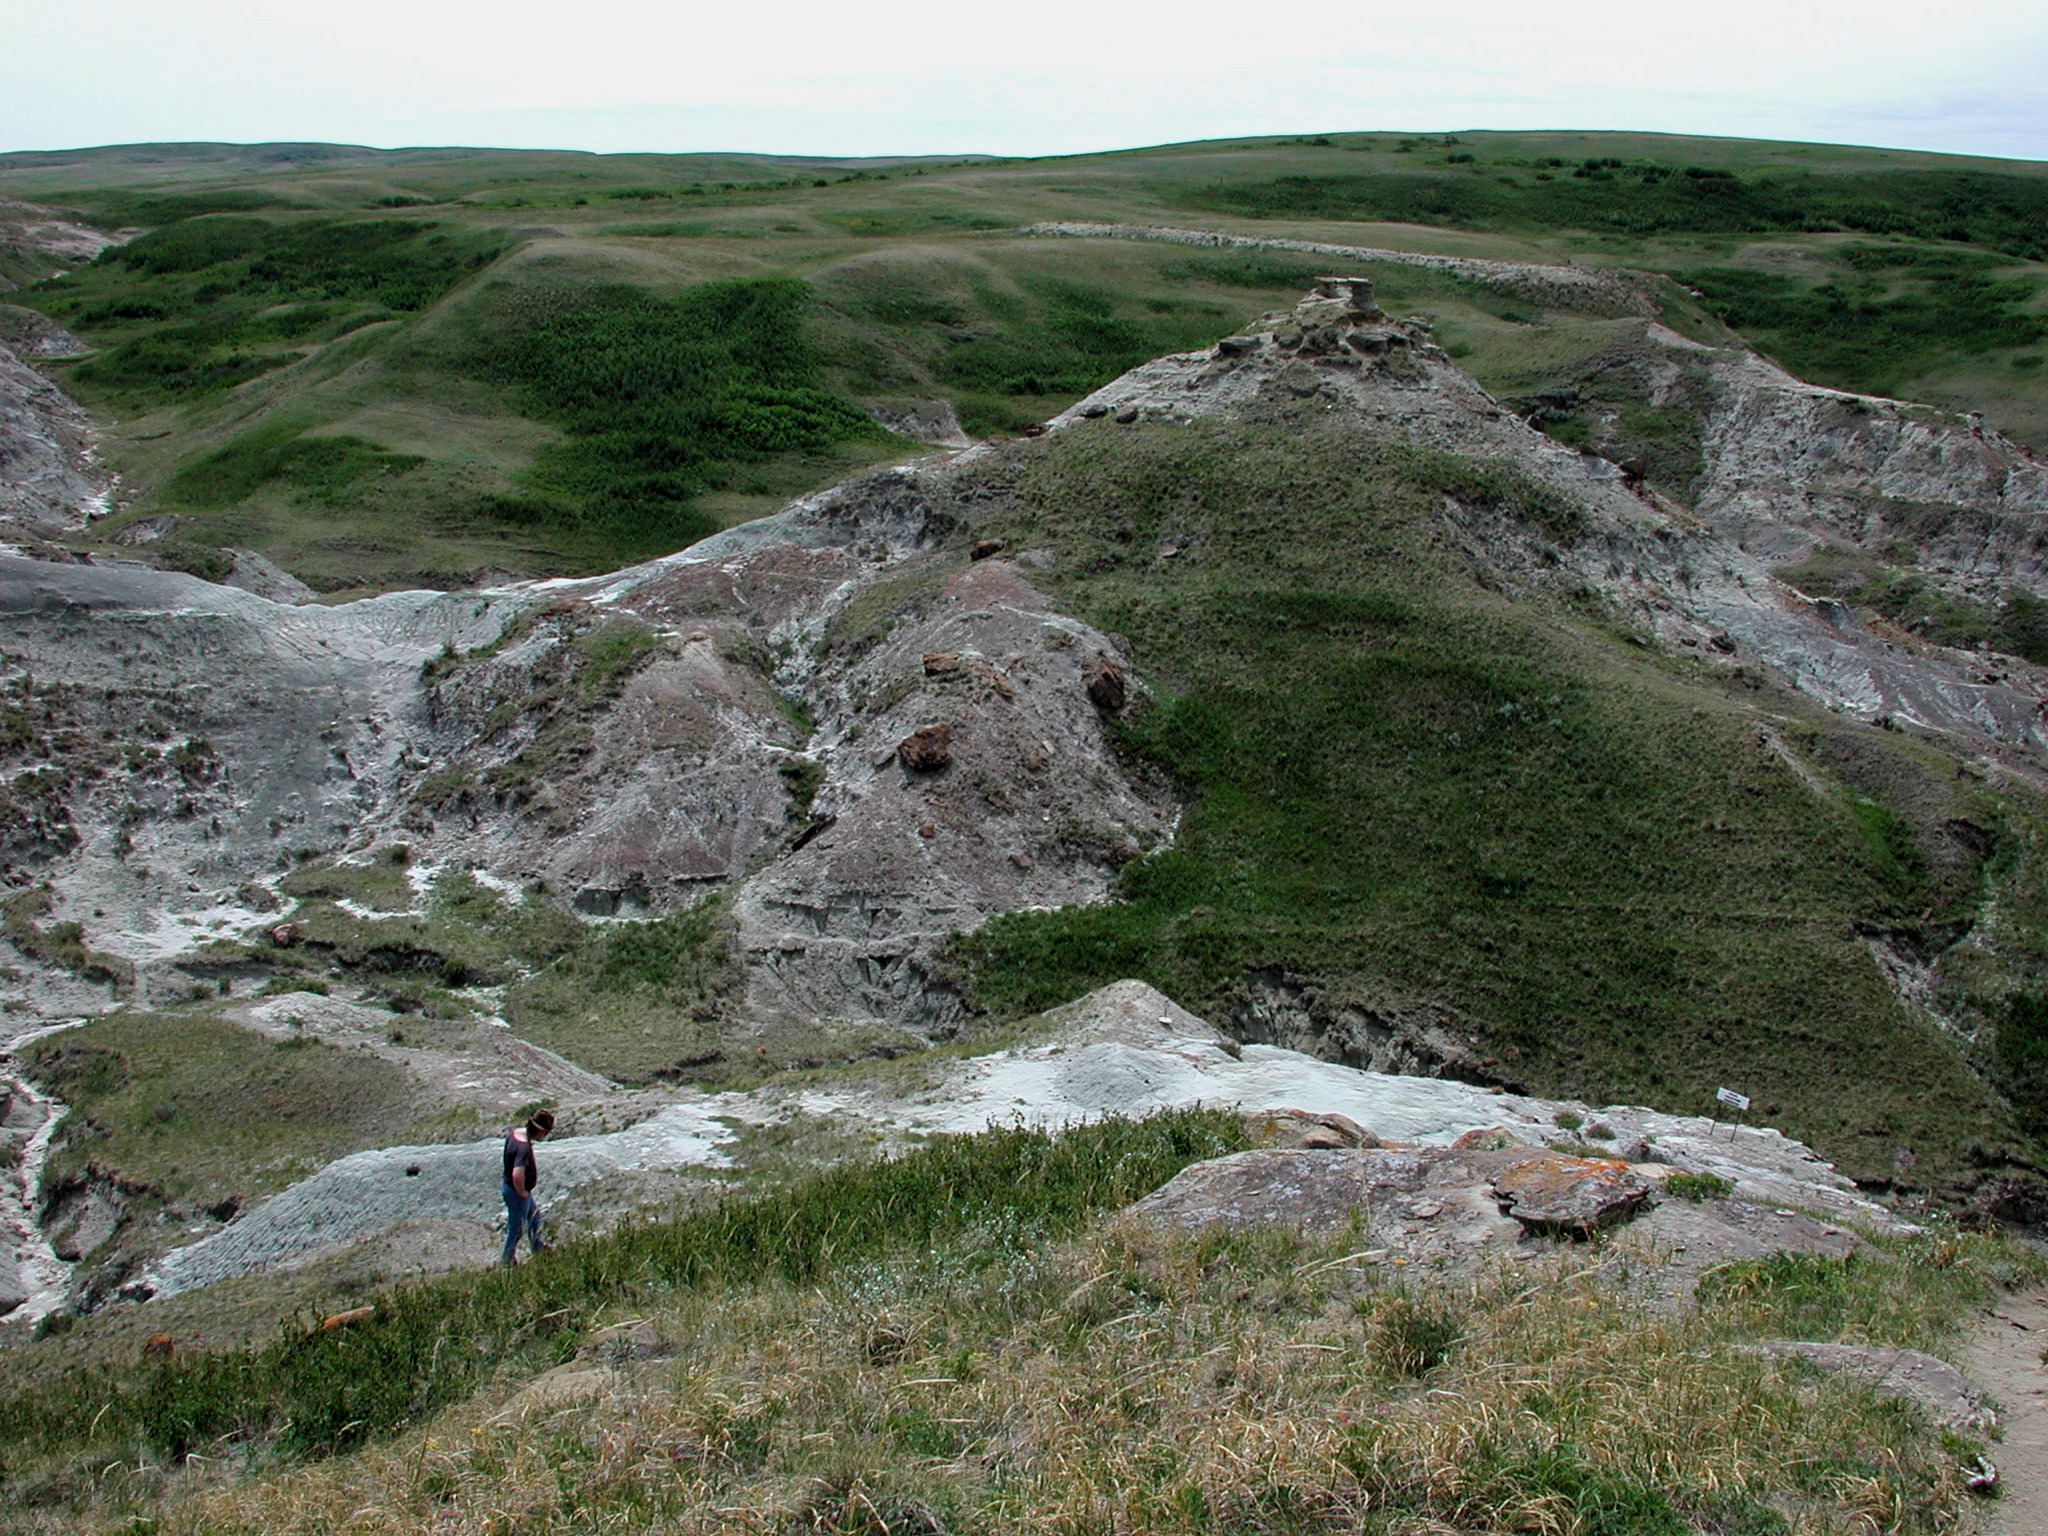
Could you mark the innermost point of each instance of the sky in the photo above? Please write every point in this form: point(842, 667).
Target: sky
point(922, 77)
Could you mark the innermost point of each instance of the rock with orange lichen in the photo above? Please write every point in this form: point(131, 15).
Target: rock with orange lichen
point(1576, 1195)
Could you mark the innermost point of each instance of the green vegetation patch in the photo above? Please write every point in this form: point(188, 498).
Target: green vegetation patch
point(637, 1001)
point(1072, 342)
point(316, 469)
point(381, 883)
point(2017, 625)
point(225, 299)
point(469, 935)
point(60, 944)
point(659, 398)
point(2006, 213)
point(1005, 1379)
point(1406, 790)
point(199, 1110)
point(1896, 313)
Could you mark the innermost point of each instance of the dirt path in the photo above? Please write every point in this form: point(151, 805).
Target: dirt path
point(2004, 1358)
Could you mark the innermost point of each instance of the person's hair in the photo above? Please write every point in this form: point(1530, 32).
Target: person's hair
point(540, 1120)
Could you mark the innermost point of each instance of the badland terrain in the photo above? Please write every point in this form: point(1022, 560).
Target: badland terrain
point(1477, 641)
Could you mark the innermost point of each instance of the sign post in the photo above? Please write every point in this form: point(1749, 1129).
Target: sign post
point(1735, 1101)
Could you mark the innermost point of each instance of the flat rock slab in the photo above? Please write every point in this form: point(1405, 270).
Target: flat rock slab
point(1560, 1193)
point(1423, 1205)
point(1312, 1189)
point(1933, 1385)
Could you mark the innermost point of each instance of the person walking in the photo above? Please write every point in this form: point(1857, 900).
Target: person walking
point(522, 1211)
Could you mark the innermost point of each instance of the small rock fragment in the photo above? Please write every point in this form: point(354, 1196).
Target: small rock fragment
point(1127, 415)
point(1490, 1138)
point(927, 750)
point(1106, 685)
point(927, 830)
point(1305, 1128)
point(621, 1342)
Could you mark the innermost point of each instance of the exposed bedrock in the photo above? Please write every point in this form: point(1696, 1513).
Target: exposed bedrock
point(738, 717)
point(723, 717)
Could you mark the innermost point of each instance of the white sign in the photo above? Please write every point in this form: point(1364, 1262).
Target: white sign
point(1730, 1096)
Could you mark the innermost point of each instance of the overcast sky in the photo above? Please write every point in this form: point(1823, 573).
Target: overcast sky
point(915, 76)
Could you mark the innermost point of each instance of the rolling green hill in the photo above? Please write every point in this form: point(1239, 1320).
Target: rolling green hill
point(310, 350)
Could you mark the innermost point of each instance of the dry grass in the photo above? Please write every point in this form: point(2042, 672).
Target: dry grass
point(1125, 1383)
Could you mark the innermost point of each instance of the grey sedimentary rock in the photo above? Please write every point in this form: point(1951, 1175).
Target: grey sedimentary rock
point(49, 479)
point(13, 1289)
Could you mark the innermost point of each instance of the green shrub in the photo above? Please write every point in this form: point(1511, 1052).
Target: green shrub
point(658, 398)
point(1697, 1187)
point(2021, 1050)
point(1413, 1335)
point(316, 468)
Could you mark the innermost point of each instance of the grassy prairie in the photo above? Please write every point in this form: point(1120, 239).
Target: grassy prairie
point(955, 1343)
point(359, 362)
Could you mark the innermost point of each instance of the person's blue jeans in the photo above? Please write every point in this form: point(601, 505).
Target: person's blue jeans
point(522, 1219)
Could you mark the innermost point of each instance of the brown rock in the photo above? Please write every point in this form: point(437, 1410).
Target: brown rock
point(1305, 1128)
point(1106, 685)
point(1021, 860)
point(928, 750)
point(1570, 1194)
point(940, 663)
point(983, 548)
point(1491, 1138)
point(928, 830)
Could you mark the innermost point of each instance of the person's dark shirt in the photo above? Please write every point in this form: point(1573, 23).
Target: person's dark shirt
point(519, 1154)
